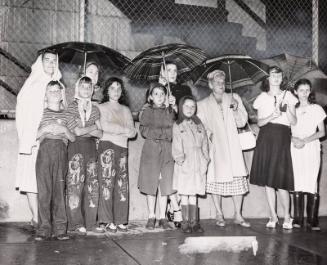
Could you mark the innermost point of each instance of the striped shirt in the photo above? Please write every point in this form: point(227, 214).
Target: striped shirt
point(74, 119)
point(51, 117)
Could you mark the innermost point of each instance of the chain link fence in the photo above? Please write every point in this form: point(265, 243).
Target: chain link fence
point(257, 28)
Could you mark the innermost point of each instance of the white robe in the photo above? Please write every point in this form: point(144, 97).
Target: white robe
point(225, 151)
point(29, 111)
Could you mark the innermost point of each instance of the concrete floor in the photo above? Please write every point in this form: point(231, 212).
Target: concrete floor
point(138, 246)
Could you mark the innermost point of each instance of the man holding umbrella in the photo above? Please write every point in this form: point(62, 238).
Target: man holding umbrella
point(222, 114)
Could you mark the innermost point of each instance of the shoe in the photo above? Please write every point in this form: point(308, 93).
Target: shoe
point(111, 228)
point(98, 230)
point(122, 228)
point(242, 223)
point(150, 224)
point(196, 228)
point(62, 237)
point(33, 224)
point(288, 225)
point(220, 221)
point(272, 223)
point(41, 238)
point(164, 224)
point(312, 212)
point(80, 231)
point(185, 227)
point(298, 203)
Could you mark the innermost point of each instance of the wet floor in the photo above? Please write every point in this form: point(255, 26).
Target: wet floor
point(138, 246)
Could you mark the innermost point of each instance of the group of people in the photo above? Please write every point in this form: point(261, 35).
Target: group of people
point(73, 160)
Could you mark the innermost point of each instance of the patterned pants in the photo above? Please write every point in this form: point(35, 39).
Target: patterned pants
point(114, 190)
point(82, 184)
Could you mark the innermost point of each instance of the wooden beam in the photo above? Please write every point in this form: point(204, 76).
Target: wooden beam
point(13, 59)
point(8, 87)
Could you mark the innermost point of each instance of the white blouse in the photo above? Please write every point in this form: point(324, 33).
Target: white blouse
point(265, 104)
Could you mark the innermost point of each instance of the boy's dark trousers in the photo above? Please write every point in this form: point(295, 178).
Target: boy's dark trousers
point(82, 184)
point(51, 168)
point(114, 183)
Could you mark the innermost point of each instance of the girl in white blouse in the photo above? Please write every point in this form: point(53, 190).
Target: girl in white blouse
point(272, 163)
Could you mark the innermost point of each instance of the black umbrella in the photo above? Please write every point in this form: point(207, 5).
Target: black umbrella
point(78, 53)
point(147, 65)
point(240, 70)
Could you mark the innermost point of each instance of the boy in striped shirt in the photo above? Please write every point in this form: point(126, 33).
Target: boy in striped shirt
point(51, 166)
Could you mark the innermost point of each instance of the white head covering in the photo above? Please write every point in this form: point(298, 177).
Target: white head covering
point(30, 104)
point(84, 104)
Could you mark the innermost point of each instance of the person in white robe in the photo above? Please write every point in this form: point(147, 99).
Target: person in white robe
point(29, 111)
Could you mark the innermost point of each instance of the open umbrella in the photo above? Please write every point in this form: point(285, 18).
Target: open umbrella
point(147, 65)
point(240, 70)
point(78, 53)
point(295, 67)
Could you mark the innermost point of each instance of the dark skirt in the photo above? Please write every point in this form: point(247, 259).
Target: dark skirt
point(272, 162)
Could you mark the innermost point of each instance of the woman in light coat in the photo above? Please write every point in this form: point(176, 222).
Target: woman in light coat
point(222, 114)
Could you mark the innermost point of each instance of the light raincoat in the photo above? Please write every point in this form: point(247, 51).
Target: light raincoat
point(226, 157)
point(190, 143)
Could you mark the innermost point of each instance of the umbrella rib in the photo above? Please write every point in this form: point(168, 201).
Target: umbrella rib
point(258, 67)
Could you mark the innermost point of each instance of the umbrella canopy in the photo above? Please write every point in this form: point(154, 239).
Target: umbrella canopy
point(295, 67)
point(78, 53)
point(147, 65)
point(240, 70)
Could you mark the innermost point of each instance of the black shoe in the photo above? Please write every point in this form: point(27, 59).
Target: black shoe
point(185, 227)
point(196, 228)
point(150, 224)
point(62, 237)
point(164, 224)
point(312, 211)
point(298, 209)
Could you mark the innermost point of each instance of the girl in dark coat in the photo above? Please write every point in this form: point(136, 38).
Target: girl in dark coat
point(157, 164)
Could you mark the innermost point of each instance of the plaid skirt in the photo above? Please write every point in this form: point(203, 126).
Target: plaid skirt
point(238, 186)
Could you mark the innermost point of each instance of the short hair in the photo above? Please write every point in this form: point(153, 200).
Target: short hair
point(265, 83)
point(55, 83)
point(48, 51)
point(212, 74)
point(123, 98)
point(154, 85)
point(85, 79)
point(304, 81)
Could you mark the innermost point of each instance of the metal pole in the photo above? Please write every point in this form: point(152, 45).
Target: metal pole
point(82, 14)
point(315, 31)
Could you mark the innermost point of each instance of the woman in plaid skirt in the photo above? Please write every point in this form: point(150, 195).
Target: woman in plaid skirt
point(221, 114)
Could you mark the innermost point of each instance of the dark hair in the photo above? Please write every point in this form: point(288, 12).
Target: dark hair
point(311, 97)
point(48, 51)
point(154, 85)
point(265, 83)
point(55, 83)
point(85, 79)
point(123, 98)
point(181, 117)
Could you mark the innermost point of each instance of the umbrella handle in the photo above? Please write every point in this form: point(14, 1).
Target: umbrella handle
point(165, 70)
point(84, 66)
